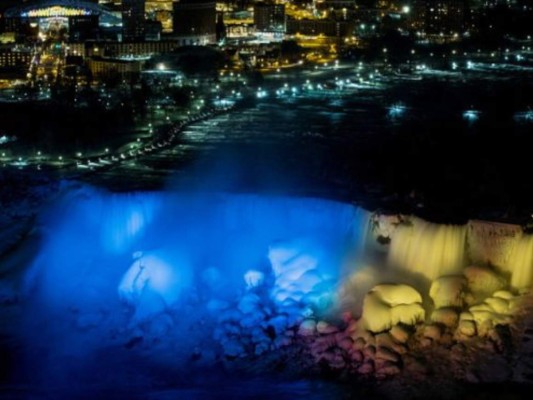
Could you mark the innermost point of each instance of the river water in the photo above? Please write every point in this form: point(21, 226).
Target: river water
point(448, 147)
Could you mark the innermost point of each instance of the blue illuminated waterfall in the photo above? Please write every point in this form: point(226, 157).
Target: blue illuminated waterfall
point(93, 238)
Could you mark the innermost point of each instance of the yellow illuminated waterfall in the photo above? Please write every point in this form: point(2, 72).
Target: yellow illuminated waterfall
point(431, 250)
point(521, 262)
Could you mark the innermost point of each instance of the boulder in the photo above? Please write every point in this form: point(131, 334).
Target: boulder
point(466, 316)
point(407, 314)
point(388, 305)
point(467, 328)
point(346, 343)
point(254, 278)
point(384, 340)
point(446, 316)
point(448, 291)
point(387, 369)
point(433, 332)
point(366, 368)
point(394, 295)
point(359, 344)
point(384, 353)
point(324, 328)
point(400, 333)
point(498, 304)
point(369, 352)
point(356, 355)
point(307, 327)
point(483, 281)
point(503, 294)
point(278, 323)
point(249, 303)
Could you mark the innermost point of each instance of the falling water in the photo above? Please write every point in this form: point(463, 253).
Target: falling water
point(93, 235)
point(521, 262)
point(428, 249)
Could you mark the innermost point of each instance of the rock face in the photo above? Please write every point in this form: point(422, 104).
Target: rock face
point(388, 305)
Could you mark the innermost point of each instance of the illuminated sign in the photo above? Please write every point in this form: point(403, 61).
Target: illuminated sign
point(56, 11)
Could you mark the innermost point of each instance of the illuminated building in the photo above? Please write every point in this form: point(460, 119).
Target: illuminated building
point(133, 21)
point(106, 67)
point(80, 19)
point(220, 27)
point(442, 18)
point(125, 50)
point(269, 17)
point(161, 11)
point(239, 24)
point(14, 58)
point(195, 21)
point(320, 27)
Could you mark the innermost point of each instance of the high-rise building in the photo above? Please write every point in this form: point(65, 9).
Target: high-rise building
point(161, 11)
point(133, 22)
point(220, 28)
point(269, 17)
point(195, 21)
point(442, 17)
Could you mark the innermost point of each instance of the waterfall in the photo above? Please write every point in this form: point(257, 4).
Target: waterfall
point(521, 262)
point(93, 234)
point(428, 249)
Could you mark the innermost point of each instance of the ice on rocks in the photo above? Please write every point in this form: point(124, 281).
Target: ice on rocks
point(467, 328)
point(249, 303)
point(483, 281)
point(499, 305)
point(394, 295)
point(154, 281)
point(324, 328)
point(297, 275)
point(307, 327)
point(388, 305)
point(279, 323)
point(448, 291)
point(254, 278)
